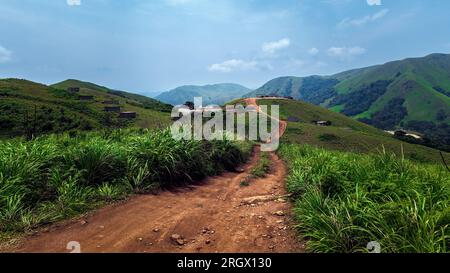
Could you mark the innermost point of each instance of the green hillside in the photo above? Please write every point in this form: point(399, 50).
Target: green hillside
point(413, 94)
point(211, 94)
point(29, 108)
point(313, 89)
point(345, 134)
point(135, 99)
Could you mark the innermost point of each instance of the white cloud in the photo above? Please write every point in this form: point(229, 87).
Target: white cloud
point(262, 63)
point(272, 47)
point(363, 20)
point(336, 51)
point(346, 52)
point(313, 51)
point(233, 65)
point(374, 2)
point(5, 55)
point(74, 2)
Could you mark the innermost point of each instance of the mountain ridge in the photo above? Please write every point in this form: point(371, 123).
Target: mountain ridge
point(413, 93)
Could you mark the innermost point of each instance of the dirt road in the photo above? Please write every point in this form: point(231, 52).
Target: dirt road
point(253, 102)
point(218, 215)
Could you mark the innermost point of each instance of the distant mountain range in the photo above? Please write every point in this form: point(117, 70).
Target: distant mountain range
point(413, 94)
point(211, 94)
point(151, 94)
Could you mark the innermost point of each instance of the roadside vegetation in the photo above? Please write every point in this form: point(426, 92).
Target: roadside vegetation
point(345, 200)
point(263, 166)
point(260, 170)
point(60, 176)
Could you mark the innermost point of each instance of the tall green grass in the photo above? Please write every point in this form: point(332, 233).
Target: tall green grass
point(345, 200)
point(55, 177)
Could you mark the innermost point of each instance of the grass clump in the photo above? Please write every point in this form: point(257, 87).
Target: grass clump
point(346, 200)
point(59, 176)
point(245, 182)
point(262, 167)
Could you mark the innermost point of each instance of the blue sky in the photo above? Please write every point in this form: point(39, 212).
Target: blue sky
point(156, 45)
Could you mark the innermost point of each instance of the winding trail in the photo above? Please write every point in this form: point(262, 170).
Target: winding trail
point(254, 102)
point(213, 216)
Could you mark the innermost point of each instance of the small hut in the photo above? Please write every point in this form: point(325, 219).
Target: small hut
point(400, 133)
point(115, 109)
point(128, 115)
point(404, 133)
point(417, 136)
point(322, 123)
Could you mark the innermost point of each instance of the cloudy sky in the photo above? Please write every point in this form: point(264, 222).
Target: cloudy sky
point(156, 45)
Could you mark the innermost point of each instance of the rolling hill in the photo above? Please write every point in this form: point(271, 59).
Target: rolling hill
point(345, 134)
point(32, 108)
point(211, 94)
point(412, 94)
point(134, 99)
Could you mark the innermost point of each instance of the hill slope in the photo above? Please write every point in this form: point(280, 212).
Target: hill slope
point(27, 107)
point(143, 101)
point(344, 134)
point(211, 94)
point(413, 94)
